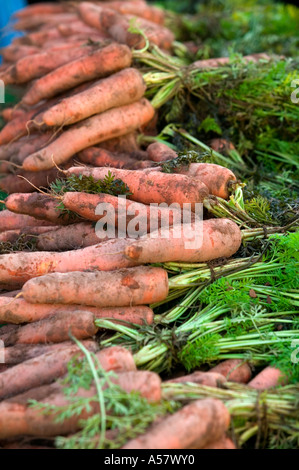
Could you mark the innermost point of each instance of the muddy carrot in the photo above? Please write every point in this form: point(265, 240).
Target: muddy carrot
point(11, 221)
point(268, 378)
point(211, 379)
point(158, 152)
point(70, 237)
point(234, 370)
point(30, 181)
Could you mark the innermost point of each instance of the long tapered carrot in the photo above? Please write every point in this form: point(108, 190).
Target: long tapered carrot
point(55, 329)
point(17, 268)
point(14, 53)
point(38, 205)
point(158, 152)
point(91, 131)
point(192, 427)
point(29, 181)
point(18, 311)
point(40, 9)
point(100, 157)
point(11, 221)
point(153, 187)
point(38, 65)
point(16, 418)
point(218, 179)
point(97, 64)
point(37, 22)
point(120, 89)
point(234, 370)
point(135, 286)
point(70, 237)
point(36, 372)
point(195, 242)
point(268, 378)
point(27, 233)
point(211, 379)
point(94, 206)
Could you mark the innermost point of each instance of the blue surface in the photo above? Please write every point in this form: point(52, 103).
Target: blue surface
point(6, 10)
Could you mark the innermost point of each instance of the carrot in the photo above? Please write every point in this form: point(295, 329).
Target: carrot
point(223, 443)
point(96, 156)
point(38, 65)
point(210, 379)
point(126, 287)
point(36, 372)
point(40, 206)
point(17, 311)
point(192, 427)
point(79, 27)
point(38, 38)
point(234, 370)
point(36, 22)
point(14, 184)
point(218, 179)
point(29, 233)
point(40, 9)
point(6, 151)
point(197, 242)
point(16, 128)
point(15, 53)
point(93, 130)
point(154, 14)
point(268, 378)
point(126, 214)
point(55, 329)
point(97, 64)
point(17, 268)
point(126, 143)
point(118, 90)
point(71, 237)
point(153, 187)
point(6, 113)
point(156, 34)
point(221, 61)
point(11, 221)
point(16, 418)
point(158, 152)
point(31, 144)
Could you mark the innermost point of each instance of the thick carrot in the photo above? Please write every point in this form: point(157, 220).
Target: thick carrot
point(37, 372)
point(156, 34)
point(16, 418)
point(120, 89)
point(126, 143)
point(71, 237)
point(55, 329)
point(192, 427)
point(14, 53)
point(154, 14)
point(218, 179)
point(40, 9)
point(97, 64)
point(17, 268)
point(28, 233)
point(234, 370)
point(126, 214)
point(11, 221)
point(153, 187)
point(268, 378)
point(19, 353)
point(17, 311)
point(15, 184)
point(38, 38)
point(126, 287)
point(196, 242)
point(211, 379)
point(40, 206)
point(36, 22)
point(79, 27)
point(96, 156)
point(91, 131)
point(38, 65)
point(158, 152)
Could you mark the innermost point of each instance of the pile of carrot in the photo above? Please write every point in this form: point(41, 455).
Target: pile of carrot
point(80, 115)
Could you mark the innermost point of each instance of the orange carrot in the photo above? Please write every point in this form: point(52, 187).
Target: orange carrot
point(156, 34)
point(158, 152)
point(40, 206)
point(89, 132)
point(14, 53)
point(221, 61)
point(38, 38)
point(18, 311)
point(14, 184)
point(97, 64)
point(210, 379)
point(126, 143)
point(234, 370)
point(31, 144)
point(16, 128)
point(28, 233)
point(37, 372)
point(126, 287)
point(154, 14)
point(38, 65)
point(192, 427)
point(17, 419)
point(11, 221)
point(96, 156)
point(268, 378)
point(17, 268)
point(153, 187)
point(79, 27)
point(196, 242)
point(71, 237)
point(218, 179)
point(37, 22)
point(120, 89)
point(40, 9)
